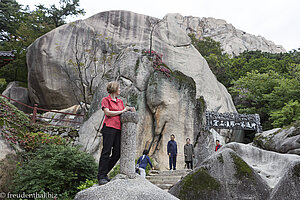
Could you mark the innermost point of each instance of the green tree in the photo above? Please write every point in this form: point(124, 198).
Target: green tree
point(10, 19)
point(263, 93)
point(57, 16)
point(288, 114)
point(20, 27)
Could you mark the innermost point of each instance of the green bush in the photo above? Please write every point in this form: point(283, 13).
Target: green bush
point(115, 171)
point(288, 114)
point(87, 184)
point(56, 169)
point(3, 84)
point(31, 141)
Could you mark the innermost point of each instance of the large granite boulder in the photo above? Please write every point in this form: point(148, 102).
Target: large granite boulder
point(233, 40)
point(121, 188)
point(289, 186)
point(223, 175)
point(239, 171)
point(166, 104)
point(271, 166)
point(285, 140)
point(49, 56)
point(15, 91)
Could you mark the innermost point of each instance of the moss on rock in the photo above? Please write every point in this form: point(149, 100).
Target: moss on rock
point(242, 168)
point(296, 170)
point(183, 79)
point(197, 184)
point(220, 159)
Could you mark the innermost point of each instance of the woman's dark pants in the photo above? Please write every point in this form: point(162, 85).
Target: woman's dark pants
point(110, 153)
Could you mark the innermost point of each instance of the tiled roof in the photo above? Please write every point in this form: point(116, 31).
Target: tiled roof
point(6, 54)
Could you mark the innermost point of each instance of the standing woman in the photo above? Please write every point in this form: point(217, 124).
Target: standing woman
point(188, 153)
point(113, 107)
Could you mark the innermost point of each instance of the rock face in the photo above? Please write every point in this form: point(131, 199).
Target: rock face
point(48, 56)
point(289, 186)
point(280, 140)
point(165, 104)
point(120, 189)
point(224, 175)
point(19, 93)
point(239, 171)
point(5, 148)
point(233, 41)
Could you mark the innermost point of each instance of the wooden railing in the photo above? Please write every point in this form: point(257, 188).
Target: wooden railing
point(35, 110)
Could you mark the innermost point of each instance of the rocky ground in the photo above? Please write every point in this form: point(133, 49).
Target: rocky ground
point(239, 171)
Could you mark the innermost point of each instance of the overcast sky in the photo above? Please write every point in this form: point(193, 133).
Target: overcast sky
point(276, 20)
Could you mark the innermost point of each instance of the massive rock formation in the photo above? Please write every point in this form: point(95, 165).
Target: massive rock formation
point(53, 54)
point(166, 105)
point(286, 140)
point(233, 41)
point(239, 171)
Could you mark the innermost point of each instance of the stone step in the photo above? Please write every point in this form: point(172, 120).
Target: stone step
point(155, 182)
point(181, 172)
point(167, 179)
point(164, 186)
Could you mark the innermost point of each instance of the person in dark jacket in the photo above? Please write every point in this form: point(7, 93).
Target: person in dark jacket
point(218, 145)
point(172, 152)
point(188, 153)
point(143, 162)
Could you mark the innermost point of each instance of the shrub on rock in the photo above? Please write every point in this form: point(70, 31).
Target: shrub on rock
point(56, 169)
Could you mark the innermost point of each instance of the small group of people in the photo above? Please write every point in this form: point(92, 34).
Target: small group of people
point(113, 107)
point(172, 153)
point(188, 152)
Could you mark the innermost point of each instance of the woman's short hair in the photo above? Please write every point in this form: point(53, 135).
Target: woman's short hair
point(145, 152)
point(187, 139)
point(112, 87)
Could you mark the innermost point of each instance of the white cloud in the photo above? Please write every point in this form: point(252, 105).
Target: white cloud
point(276, 20)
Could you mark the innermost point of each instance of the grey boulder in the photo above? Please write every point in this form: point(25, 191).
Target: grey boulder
point(239, 171)
point(122, 188)
point(223, 175)
point(286, 140)
point(15, 91)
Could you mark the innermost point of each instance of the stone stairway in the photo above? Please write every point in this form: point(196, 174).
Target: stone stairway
point(166, 179)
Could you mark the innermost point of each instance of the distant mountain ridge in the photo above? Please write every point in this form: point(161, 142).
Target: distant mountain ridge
point(233, 41)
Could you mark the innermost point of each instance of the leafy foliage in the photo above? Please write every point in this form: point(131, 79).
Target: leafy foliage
point(288, 114)
point(16, 129)
point(87, 184)
point(20, 27)
point(259, 82)
point(56, 169)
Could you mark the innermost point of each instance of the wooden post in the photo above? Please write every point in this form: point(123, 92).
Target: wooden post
point(33, 120)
